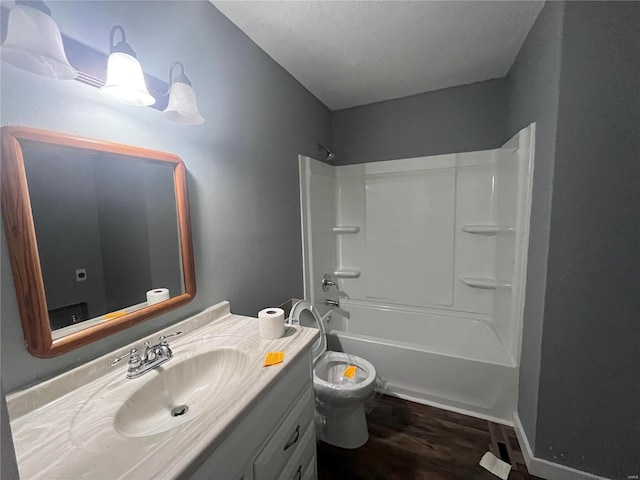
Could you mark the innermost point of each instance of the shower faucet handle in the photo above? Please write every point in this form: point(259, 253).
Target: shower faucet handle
point(327, 283)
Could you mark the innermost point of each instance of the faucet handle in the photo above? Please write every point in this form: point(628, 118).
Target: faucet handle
point(163, 338)
point(133, 354)
point(327, 283)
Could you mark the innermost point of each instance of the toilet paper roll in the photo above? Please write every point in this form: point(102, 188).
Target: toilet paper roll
point(157, 295)
point(271, 322)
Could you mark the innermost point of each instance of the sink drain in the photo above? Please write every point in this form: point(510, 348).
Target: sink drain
point(179, 410)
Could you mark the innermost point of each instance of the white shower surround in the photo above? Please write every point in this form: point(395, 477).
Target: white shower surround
point(443, 324)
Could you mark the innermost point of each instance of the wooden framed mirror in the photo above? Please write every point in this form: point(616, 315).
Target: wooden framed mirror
point(97, 232)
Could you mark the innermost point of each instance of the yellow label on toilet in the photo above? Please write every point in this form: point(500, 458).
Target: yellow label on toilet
point(273, 358)
point(350, 371)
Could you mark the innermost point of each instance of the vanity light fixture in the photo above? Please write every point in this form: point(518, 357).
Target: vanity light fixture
point(182, 107)
point(34, 42)
point(125, 80)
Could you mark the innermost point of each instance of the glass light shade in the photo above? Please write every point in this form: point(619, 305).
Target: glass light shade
point(125, 81)
point(34, 44)
point(182, 107)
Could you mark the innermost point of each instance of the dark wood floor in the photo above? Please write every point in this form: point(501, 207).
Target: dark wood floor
point(409, 441)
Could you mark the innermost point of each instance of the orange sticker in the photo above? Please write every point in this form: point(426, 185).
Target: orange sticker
point(113, 315)
point(273, 358)
point(350, 371)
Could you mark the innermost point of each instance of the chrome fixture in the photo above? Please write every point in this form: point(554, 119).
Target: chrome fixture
point(182, 107)
point(153, 357)
point(330, 154)
point(327, 283)
point(34, 42)
point(125, 79)
point(332, 303)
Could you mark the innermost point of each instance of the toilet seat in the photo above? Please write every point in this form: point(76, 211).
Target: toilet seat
point(360, 387)
point(305, 314)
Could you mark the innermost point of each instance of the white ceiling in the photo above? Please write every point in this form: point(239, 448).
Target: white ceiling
point(350, 53)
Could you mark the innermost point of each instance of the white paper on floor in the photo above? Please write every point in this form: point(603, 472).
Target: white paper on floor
point(495, 465)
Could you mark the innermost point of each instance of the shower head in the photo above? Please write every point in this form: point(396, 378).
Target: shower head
point(330, 154)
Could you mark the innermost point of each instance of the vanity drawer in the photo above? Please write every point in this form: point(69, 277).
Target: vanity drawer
point(297, 466)
point(286, 438)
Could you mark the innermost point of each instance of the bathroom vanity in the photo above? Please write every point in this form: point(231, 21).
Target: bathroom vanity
point(211, 412)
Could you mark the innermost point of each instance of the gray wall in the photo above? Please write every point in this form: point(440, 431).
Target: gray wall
point(124, 237)
point(533, 84)
point(112, 215)
point(577, 77)
point(162, 225)
point(242, 162)
point(64, 205)
point(466, 118)
point(589, 398)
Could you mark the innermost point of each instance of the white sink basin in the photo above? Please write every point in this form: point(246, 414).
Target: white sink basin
point(203, 375)
point(180, 391)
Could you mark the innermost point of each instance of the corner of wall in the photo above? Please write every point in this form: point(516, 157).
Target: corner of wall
point(533, 85)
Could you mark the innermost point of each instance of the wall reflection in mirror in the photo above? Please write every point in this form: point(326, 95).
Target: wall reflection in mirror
point(107, 232)
point(99, 236)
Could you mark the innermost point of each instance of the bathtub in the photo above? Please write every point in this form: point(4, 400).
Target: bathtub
point(436, 358)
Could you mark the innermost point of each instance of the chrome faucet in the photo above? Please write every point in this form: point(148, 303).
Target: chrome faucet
point(152, 357)
point(332, 303)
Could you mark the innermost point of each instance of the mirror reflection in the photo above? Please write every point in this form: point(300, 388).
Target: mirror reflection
point(107, 233)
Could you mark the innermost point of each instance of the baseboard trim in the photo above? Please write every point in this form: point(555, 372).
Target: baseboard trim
point(544, 468)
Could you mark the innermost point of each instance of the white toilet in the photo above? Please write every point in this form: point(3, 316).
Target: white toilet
point(339, 397)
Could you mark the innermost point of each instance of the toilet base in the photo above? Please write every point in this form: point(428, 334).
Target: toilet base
point(345, 426)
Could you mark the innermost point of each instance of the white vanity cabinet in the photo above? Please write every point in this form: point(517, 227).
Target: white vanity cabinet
point(245, 421)
point(276, 438)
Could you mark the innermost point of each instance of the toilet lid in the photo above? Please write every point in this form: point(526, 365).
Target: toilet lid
point(305, 314)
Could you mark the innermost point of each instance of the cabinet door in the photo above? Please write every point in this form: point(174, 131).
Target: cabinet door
point(311, 471)
point(246, 473)
point(281, 446)
point(295, 468)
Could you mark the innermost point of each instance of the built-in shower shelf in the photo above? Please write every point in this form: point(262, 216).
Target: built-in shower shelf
point(346, 273)
point(342, 229)
point(484, 283)
point(488, 230)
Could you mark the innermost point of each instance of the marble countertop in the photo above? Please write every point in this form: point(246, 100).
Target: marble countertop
point(63, 428)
